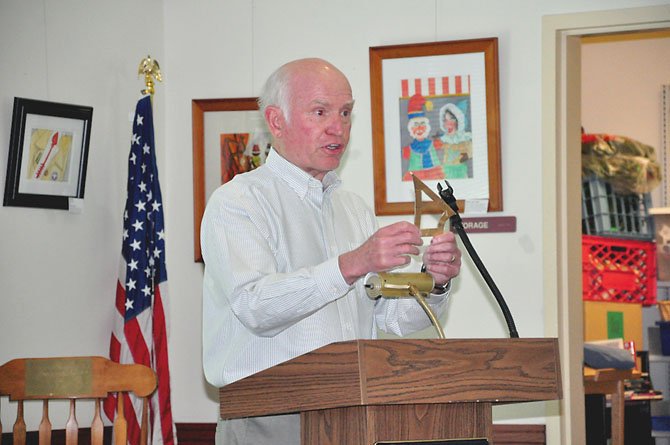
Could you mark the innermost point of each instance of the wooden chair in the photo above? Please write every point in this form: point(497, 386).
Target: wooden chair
point(75, 378)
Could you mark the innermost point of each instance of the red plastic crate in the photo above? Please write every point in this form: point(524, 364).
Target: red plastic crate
point(618, 270)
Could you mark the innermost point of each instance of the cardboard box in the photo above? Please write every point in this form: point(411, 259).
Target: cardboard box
point(607, 320)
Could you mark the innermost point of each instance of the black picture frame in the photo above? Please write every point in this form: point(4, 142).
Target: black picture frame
point(48, 154)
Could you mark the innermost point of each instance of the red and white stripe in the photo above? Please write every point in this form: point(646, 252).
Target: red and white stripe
point(435, 86)
point(143, 340)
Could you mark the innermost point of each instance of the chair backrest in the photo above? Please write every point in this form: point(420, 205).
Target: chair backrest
point(75, 378)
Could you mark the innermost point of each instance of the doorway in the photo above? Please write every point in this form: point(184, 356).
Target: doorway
point(561, 128)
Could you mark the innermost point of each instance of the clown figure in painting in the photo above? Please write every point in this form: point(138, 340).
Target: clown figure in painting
point(423, 160)
point(455, 142)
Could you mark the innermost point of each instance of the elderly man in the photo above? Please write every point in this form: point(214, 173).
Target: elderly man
point(285, 249)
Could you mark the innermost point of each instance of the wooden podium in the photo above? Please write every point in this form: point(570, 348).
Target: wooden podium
point(366, 391)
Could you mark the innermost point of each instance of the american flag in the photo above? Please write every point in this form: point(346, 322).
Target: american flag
point(139, 334)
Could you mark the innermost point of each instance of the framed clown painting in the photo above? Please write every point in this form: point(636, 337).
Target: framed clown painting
point(435, 116)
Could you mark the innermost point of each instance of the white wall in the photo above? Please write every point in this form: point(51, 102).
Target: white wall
point(622, 80)
point(58, 270)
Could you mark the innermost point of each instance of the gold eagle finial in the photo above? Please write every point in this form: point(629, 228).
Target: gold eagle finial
point(151, 70)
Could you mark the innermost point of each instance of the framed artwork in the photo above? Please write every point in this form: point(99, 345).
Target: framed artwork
point(48, 153)
point(229, 137)
point(435, 115)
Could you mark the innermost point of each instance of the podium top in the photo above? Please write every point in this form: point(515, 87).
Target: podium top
point(406, 371)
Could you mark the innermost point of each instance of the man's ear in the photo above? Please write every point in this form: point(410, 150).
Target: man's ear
point(274, 118)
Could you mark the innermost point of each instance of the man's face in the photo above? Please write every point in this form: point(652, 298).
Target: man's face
point(419, 128)
point(317, 132)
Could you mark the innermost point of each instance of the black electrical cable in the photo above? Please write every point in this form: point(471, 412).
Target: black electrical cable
point(447, 196)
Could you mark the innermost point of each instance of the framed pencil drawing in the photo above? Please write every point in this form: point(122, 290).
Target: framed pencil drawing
point(229, 137)
point(435, 115)
point(48, 153)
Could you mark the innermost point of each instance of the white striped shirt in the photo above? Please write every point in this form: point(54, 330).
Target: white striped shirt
point(272, 287)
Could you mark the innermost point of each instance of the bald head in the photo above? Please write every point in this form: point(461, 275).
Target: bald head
point(282, 83)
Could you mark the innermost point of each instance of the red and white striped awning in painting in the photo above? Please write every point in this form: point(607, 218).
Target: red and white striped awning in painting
point(436, 86)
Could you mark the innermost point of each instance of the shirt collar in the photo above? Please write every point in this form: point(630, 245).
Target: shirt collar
point(298, 179)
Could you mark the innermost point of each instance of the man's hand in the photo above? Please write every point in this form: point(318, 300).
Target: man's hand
point(442, 258)
point(388, 248)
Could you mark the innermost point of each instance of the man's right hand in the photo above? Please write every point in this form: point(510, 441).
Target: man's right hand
point(388, 248)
